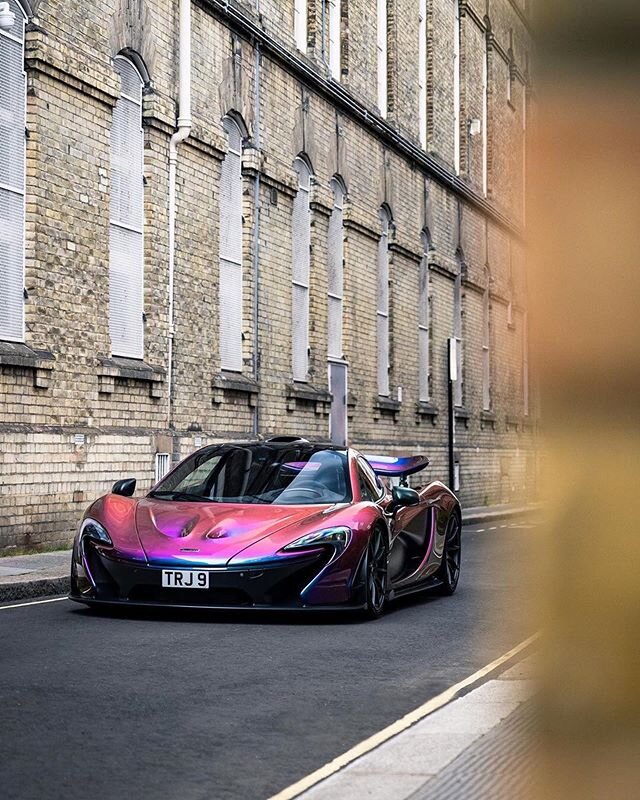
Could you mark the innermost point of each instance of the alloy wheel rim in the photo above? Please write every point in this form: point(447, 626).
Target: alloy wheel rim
point(452, 552)
point(376, 570)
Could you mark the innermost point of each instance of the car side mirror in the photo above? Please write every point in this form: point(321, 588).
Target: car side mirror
point(402, 496)
point(126, 487)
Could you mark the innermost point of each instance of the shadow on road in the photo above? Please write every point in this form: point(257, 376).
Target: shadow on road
point(251, 616)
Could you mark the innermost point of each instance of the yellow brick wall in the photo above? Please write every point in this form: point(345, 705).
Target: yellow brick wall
point(45, 479)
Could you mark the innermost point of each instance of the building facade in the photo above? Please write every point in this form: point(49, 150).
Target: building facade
point(349, 196)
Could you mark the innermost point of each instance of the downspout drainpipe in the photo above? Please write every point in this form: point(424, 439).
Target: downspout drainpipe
point(256, 234)
point(182, 132)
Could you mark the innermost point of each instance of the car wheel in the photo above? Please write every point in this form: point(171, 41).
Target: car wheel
point(375, 574)
point(449, 572)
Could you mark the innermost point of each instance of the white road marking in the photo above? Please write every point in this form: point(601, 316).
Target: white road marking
point(398, 726)
point(480, 530)
point(34, 603)
point(495, 528)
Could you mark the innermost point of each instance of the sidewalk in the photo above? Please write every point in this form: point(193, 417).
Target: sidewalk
point(42, 574)
point(478, 747)
point(38, 575)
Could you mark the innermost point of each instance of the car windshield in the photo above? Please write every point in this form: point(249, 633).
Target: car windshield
point(275, 474)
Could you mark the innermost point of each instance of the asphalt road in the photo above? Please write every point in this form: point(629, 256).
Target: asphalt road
point(232, 707)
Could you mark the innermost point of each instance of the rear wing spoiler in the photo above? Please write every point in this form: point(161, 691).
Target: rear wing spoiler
point(397, 466)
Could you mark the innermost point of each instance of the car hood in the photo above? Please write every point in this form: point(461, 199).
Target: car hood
point(173, 532)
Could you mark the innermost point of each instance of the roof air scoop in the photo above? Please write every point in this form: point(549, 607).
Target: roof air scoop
point(286, 439)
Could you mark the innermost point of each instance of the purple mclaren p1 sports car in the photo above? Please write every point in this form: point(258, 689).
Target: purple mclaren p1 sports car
point(281, 524)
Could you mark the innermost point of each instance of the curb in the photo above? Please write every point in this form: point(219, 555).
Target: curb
point(27, 590)
point(487, 515)
point(362, 752)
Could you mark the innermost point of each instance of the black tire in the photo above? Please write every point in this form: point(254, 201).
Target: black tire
point(375, 574)
point(449, 572)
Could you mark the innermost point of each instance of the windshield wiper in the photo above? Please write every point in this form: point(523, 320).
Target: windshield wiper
point(175, 495)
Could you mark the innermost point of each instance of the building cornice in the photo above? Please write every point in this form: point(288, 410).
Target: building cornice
point(243, 23)
point(521, 15)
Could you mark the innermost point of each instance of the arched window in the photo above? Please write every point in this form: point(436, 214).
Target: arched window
point(486, 343)
point(336, 277)
point(126, 250)
point(300, 24)
point(424, 321)
point(335, 12)
point(382, 303)
point(485, 117)
point(456, 85)
point(422, 71)
point(458, 386)
point(12, 172)
point(230, 281)
point(301, 251)
point(382, 28)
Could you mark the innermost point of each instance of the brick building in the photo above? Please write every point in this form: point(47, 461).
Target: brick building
point(348, 196)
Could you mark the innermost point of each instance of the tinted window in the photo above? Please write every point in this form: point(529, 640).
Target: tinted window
point(291, 474)
point(370, 488)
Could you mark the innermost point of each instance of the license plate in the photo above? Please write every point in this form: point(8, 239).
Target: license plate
point(184, 579)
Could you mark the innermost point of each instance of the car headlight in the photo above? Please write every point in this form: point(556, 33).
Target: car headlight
point(94, 530)
point(338, 537)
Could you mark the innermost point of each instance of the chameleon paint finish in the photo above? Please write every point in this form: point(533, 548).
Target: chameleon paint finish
point(397, 466)
point(242, 545)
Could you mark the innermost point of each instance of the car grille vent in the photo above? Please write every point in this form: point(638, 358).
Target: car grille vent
point(190, 597)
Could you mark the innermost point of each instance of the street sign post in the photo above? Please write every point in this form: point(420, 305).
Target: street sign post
point(452, 351)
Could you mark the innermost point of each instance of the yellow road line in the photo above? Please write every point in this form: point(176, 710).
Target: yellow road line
point(34, 603)
point(397, 727)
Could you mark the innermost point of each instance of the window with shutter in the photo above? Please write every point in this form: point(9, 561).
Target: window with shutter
point(486, 346)
point(424, 321)
point(126, 246)
point(422, 71)
point(230, 279)
point(336, 280)
point(301, 251)
point(456, 85)
point(300, 24)
point(12, 177)
point(382, 305)
point(382, 55)
point(162, 465)
point(334, 38)
point(485, 117)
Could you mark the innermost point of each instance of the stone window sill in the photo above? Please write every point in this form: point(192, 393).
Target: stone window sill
point(237, 383)
point(386, 405)
point(21, 356)
point(528, 425)
point(116, 368)
point(424, 409)
point(487, 420)
point(301, 394)
point(462, 415)
point(513, 423)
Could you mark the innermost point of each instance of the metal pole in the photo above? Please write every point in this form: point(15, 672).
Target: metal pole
point(257, 119)
point(451, 432)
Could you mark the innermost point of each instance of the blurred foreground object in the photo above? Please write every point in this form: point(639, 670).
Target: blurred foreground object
point(585, 204)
